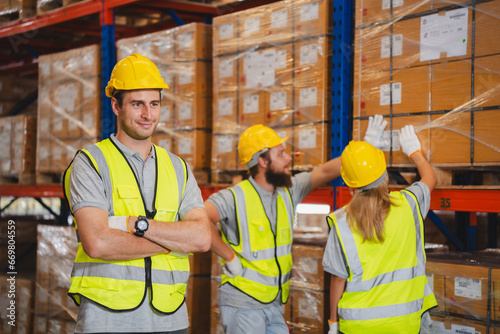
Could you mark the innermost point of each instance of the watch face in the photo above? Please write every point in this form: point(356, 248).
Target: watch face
point(142, 225)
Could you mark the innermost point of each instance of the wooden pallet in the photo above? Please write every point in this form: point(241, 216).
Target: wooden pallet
point(228, 177)
point(24, 178)
point(48, 178)
point(202, 176)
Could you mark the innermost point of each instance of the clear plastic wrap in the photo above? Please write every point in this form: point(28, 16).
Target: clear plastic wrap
point(18, 147)
point(23, 303)
point(433, 64)
point(184, 58)
point(69, 98)
point(15, 91)
point(55, 311)
point(271, 67)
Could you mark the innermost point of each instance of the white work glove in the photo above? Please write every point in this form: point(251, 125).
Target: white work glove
point(334, 328)
point(373, 135)
point(233, 267)
point(408, 140)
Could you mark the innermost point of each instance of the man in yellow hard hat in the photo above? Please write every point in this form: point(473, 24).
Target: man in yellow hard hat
point(256, 218)
point(375, 250)
point(138, 212)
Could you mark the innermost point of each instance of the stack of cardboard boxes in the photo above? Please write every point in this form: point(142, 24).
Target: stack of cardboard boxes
point(69, 96)
point(183, 56)
point(18, 148)
point(271, 66)
point(434, 65)
point(467, 288)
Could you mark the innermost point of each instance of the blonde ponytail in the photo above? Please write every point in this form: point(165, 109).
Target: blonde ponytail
point(367, 211)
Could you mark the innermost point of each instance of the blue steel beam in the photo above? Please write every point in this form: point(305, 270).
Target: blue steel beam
point(444, 229)
point(108, 60)
point(175, 17)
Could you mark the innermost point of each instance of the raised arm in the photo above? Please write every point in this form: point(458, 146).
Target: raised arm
point(410, 145)
point(325, 173)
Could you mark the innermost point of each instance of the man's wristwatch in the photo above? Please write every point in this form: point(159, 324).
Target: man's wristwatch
point(141, 226)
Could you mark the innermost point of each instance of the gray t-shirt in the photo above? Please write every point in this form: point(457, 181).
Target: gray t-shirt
point(224, 202)
point(88, 190)
point(334, 259)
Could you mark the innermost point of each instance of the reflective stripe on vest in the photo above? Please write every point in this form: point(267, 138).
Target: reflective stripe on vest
point(400, 280)
point(121, 285)
point(266, 257)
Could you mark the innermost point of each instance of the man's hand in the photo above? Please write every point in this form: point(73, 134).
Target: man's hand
point(334, 328)
point(233, 266)
point(373, 135)
point(409, 140)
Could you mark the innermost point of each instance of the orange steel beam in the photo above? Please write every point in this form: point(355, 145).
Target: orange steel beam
point(29, 27)
point(15, 190)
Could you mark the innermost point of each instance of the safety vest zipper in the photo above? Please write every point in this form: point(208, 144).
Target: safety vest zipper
point(147, 262)
point(276, 249)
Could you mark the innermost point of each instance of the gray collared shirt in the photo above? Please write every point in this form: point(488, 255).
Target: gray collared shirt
point(224, 202)
point(88, 190)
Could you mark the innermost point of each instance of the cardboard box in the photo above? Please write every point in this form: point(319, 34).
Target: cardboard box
point(224, 151)
point(194, 77)
point(312, 18)
point(193, 111)
point(252, 107)
point(280, 110)
point(225, 33)
point(66, 110)
point(225, 73)
point(194, 147)
point(450, 138)
point(486, 139)
point(450, 324)
point(215, 325)
point(486, 81)
point(309, 311)
point(370, 11)
point(18, 145)
point(163, 139)
point(252, 27)
point(451, 85)
point(487, 18)
point(279, 28)
point(193, 41)
point(310, 145)
point(307, 270)
point(225, 109)
point(311, 104)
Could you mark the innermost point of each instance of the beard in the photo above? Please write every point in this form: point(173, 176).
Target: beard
point(278, 179)
point(133, 133)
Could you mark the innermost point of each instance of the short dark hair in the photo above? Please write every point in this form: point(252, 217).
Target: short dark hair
point(255, 169)
point(120, 94)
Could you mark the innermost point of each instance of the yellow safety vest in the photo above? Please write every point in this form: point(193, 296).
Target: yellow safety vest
point(266, 257)
point(387, 290)
point(121, 285)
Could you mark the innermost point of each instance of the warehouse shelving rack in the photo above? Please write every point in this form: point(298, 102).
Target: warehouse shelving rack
point(24, 36)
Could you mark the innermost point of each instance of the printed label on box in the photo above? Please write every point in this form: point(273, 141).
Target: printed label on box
point(308, 308)
point(307, 138)
point(165, 113)
point(226, 31)
point(309, 12)
point(446, 33)
point(58, 123)
point(386, 4)
point(308, 97)
point(165, 143)
point(259, 68)
point(459, 329)
point(308, 54)
point(251, 104)
point(226, 68)
point(225, 144)
point(43, 152)
point(57, 153)
point(252, 25)
point(185, 146)
point(279, 19)
point(226, 106)
point(278, 101)
point(185, 111)
point(385, 94)
point(397, 46)
point(468, 287)
point(185, 40)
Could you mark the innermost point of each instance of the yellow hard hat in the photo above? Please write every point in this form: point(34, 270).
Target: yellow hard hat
point(255, 139)
point(135, 72)
point(361, 164)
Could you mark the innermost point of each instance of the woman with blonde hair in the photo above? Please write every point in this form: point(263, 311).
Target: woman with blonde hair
point(375, 250)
